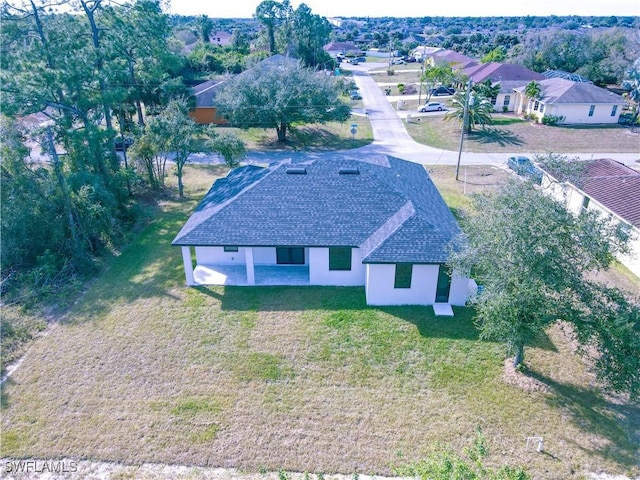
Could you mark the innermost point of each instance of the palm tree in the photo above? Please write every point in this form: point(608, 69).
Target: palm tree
point(632, 84)
point(533, 91)
point(479, 110)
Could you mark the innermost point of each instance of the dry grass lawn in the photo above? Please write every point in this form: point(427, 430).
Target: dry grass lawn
point(511, 134)
point(144, 369)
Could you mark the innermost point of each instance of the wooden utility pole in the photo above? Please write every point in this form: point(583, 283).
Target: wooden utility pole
point(465, 120)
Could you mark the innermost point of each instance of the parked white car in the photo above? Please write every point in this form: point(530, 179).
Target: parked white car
point(432, 107)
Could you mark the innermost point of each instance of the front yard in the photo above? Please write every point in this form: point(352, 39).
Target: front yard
point(144, 369)
point(508, 133)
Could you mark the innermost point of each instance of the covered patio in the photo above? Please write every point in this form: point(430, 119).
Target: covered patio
point(264, 275)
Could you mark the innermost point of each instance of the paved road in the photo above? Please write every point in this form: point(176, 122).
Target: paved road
point(391, 137)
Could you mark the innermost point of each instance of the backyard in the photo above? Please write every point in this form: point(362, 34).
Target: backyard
point(143, 369)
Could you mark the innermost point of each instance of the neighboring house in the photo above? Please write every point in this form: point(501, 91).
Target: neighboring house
point(610, 188)
point(221, 38)
point(204, 110)
point(496, 71)
point(204, 93)
point(423, 51)
point(448, 57)
point(508, 75)
point(336, 49)
point(380, 223)
point(505, 100)
point(575, 102)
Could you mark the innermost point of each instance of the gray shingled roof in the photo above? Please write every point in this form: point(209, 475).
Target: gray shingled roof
point(559, 90)
point(392, 210)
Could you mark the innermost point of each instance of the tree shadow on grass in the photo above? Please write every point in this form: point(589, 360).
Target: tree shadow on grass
point(496, 136)
point(595, 413)
point(149, 267)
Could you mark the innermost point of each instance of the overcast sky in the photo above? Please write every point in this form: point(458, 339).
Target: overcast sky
point(387, 8)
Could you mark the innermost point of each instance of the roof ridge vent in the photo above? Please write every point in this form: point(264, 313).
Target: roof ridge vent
point(296, 170)
point(349, 171)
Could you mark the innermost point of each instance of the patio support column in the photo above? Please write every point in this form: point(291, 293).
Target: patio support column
point(248, 256)
point(188, 265)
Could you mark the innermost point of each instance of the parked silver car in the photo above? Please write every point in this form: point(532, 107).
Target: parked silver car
point(432, 107)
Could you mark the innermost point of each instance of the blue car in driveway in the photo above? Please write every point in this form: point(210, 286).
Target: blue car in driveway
point(525, 167)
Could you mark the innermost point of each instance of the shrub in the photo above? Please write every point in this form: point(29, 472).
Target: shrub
point(505, 109)
point(552, 119)
point(401, 88)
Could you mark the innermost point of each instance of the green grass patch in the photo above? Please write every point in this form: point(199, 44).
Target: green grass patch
point(260, 366)
point(191, 407)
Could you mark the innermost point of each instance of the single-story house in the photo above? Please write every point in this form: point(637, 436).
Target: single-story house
point(574, 102)
point(448, 57)
point(496, 71)
point(609, 187)
point(204, 110)
point(204, 93)
point(505, 100)
point(221, 38)
point(378, 222)
point(421, 52)
point(336, 49)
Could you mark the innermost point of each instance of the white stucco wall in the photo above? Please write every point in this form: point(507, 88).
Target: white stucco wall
point(573, 198)
point(380, 279)
point(265, 256)
point(217, 256)
point(319, 273)
point(579, 113)
point(500, 102)
point(459, 290)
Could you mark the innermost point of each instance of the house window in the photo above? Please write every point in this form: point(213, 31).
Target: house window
point(542, 108)
point(403, 275)
point(585, 203)
point(230, 249)
point(591, 110)
point(290, 255)
point(614, 110)
point(507, 100)
point(339, 258)
point(536, 106)
point(494, 100)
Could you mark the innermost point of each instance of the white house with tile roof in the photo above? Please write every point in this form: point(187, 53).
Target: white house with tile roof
point(379, 223)
point(609, 187)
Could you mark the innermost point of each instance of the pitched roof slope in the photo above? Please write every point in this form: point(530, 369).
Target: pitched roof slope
point(613, 185)
point(501, 71)
point(392, 210)
point(559, 90)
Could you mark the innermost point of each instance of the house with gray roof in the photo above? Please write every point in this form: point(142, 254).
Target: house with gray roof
point(573, 102)
point(379, 223)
